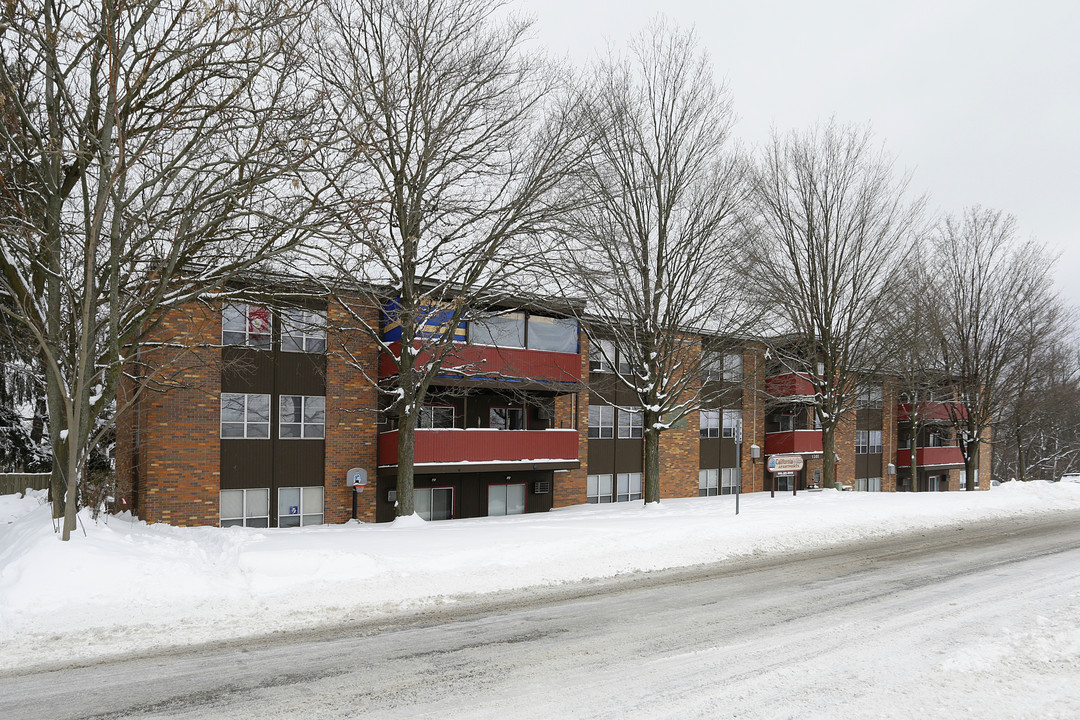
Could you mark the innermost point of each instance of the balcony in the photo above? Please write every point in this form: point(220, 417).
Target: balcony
point(795, 441)
point(789, 384)
point(933, 411)
point(930, 456)
point(485, 362)
point(547, 448)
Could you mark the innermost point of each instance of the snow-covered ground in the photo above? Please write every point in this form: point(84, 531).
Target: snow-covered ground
point(125, 585)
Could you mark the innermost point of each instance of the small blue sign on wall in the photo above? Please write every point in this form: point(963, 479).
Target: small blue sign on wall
point(294, 509)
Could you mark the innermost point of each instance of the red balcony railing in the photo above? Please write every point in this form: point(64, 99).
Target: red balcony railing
point(933, 411)
point(492, 363)
point(796, 441)
point(483, 445)
point(789, 384)
point(930, 456)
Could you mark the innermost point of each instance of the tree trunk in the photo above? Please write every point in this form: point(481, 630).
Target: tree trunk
point(971, 463)
point(406, 473)
point(913, 447)
point(828, 456)
point(652, 457)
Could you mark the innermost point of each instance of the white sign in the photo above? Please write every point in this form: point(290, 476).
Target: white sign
point(785, 463)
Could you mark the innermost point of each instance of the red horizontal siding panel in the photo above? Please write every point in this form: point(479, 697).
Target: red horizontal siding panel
point(492, 363)
point(931, 456)
point(458, 446)
point(933, 411)
point(789, 384)
point(796, 441)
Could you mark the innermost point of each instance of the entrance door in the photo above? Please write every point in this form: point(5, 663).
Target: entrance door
point(434, 503)
point(506, 499)
point(932, 483)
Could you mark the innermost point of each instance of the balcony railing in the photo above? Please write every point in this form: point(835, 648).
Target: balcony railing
point(495, 363)
point(933, 411)
point(794, 441)
point(930, 456)
point(484, 445)
point(789, 384)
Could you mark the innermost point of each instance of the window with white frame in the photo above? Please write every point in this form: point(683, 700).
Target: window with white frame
point(624, 363)
point(506, 418)
point(708, 482)
point(301, 416)
point(299, 506)
point(598, 489)
point(712, 366)
point(732, 420)
point(729, 480)
point(506, 499)
point(245, 415)
point(244, 324)
point(710, 423)
point(436, 503)
point(601, 356)
point(245, 508)
point(868, 484)
point(303, 330)
point(869, 396)
point(733, 367)
point(631, 423)
point(601, 421)
point(435, 417)
point(874, 442)
point(862, 442)
point(627, 487)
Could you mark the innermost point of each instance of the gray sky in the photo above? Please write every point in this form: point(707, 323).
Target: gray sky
point(979, 100)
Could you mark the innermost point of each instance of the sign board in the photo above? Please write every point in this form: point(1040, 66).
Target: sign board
point(785, 463)
point(356, 477)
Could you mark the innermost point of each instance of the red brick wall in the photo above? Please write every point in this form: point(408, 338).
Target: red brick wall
point(753, 414)
point(889, 436)
point(569, 487)
point(351, 404)
point(680, 462)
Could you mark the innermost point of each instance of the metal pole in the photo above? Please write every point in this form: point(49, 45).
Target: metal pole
point(354, 490)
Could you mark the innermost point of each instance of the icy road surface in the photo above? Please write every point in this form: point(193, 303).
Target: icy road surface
point(980, 620)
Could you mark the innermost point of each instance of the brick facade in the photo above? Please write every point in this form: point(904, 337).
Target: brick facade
point(572, 411)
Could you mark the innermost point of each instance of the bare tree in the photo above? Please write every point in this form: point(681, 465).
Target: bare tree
point(450, 145)
point(995, 295)
point(656, 247)
point(834, 227)
point(151, 151)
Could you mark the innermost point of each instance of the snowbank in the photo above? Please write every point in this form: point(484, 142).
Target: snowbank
point(128, 586)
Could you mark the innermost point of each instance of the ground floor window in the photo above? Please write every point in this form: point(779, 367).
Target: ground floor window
point(784, 483)
point(245, 508)
point(868, 484)
point(506, 499)
point(598, 489)
point(300, 506)
point(729, 480)
point(708, 482)
point(435, 503)
point(628, 486)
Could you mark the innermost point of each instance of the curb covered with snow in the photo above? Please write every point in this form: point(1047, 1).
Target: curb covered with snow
point(127, 586)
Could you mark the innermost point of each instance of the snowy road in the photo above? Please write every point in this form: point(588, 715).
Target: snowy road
point(981, 621)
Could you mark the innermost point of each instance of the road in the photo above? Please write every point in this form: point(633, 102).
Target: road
point(976, 621)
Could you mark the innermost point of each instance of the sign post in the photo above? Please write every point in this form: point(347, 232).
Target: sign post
point(356, 478)
point(785, 464)
point(738, 462)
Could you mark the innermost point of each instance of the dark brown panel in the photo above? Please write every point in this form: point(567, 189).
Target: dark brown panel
point(247, 371)
point(301, 374)
point(729, 455)
point(246, 464)
point(601, 457)
point(299, 463)
point(629, 455)
point(709, 453)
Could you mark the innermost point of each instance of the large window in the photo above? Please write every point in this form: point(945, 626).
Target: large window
point(601, 356)
point(553, 334)
point(506, 330)
point(300, 506)
point(301, 416)
point(506, 499)
point(732, 421)
point(710, 423)
point(245, 508)
point(869, 396)
point(435, 417)
point(303, 330)
point(717, 481)
point(245, 416)
point(601, 421)
point(729, 480)
point(435, 503)
point(868, 484)
point(628, 487)
point(733, 367)
point(506, 418)
point(785, 422)
point(243, 324)
point(867, 442)
point(712, 367)
point(631, 423)
point(598, 489)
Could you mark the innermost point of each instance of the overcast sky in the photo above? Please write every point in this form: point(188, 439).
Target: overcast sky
point(979, 100)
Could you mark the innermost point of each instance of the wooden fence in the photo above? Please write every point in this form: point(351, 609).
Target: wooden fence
point(11, 483)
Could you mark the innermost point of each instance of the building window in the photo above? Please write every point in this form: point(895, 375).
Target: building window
point(712, 367)
point(435, 503)
point(506, 330)
point(732, 421)
point(868, 484)
point(710, 423)
point(631, 423)
point(628, 487)
point(729, 480)
point(301, 416)
point(435, 417)
point(785, 423)
point(243, 324)
point(303, 330)
point(862, 442)
point(245, 416)
point(601, 421)
point(506, 499)
point(601, 356)
point(624, 363)
point(869, 397)
point(708, 482)
point(733, 368)
point(553, 334)
point(875, 442)
point(300, 506)
point(598, 489)
point(936, 439)
point(245, 508)
point(506, 418)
